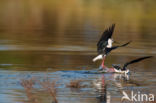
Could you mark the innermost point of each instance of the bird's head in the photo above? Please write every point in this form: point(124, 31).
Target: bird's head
point(116, 66)
point(110, 41)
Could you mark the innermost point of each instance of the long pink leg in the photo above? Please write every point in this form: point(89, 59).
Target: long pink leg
point(103, 63)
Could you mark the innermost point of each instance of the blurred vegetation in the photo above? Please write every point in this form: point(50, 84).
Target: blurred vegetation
point(69, 21)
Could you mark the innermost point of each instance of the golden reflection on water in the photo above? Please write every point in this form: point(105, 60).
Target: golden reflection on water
point(75, 22)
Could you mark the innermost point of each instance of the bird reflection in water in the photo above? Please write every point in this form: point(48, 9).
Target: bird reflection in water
point(101, 86)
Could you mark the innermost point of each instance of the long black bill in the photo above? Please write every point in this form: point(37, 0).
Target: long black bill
point(135, 61)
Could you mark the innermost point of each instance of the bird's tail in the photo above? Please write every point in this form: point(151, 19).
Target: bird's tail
point(134, 61)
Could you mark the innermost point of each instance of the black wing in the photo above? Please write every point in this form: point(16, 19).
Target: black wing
point(115, 47)
point(108, 50)
point(102, 43)
point(134, 61)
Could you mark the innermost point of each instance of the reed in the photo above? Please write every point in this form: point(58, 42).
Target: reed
point(75, 84)
point(28, 87)
point(50, 86)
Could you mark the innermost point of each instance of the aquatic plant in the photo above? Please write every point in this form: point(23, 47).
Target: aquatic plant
point(50, 86)
point(28, 87)
point(75, 84)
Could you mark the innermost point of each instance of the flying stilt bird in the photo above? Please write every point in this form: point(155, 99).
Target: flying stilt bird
point(104, 45)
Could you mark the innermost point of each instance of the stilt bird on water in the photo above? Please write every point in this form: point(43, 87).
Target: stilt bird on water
point(118, 69)
point(104, 45)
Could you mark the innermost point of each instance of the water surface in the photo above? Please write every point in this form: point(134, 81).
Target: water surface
point(57, 39)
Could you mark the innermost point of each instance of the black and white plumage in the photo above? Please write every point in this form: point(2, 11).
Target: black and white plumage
point(108, 50)
point(124, 69)
point(105, 40)
point(104, 45)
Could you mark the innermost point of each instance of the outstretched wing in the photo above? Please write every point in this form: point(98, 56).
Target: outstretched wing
point(102, 43)
point(115, 47)
point(134, 61)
